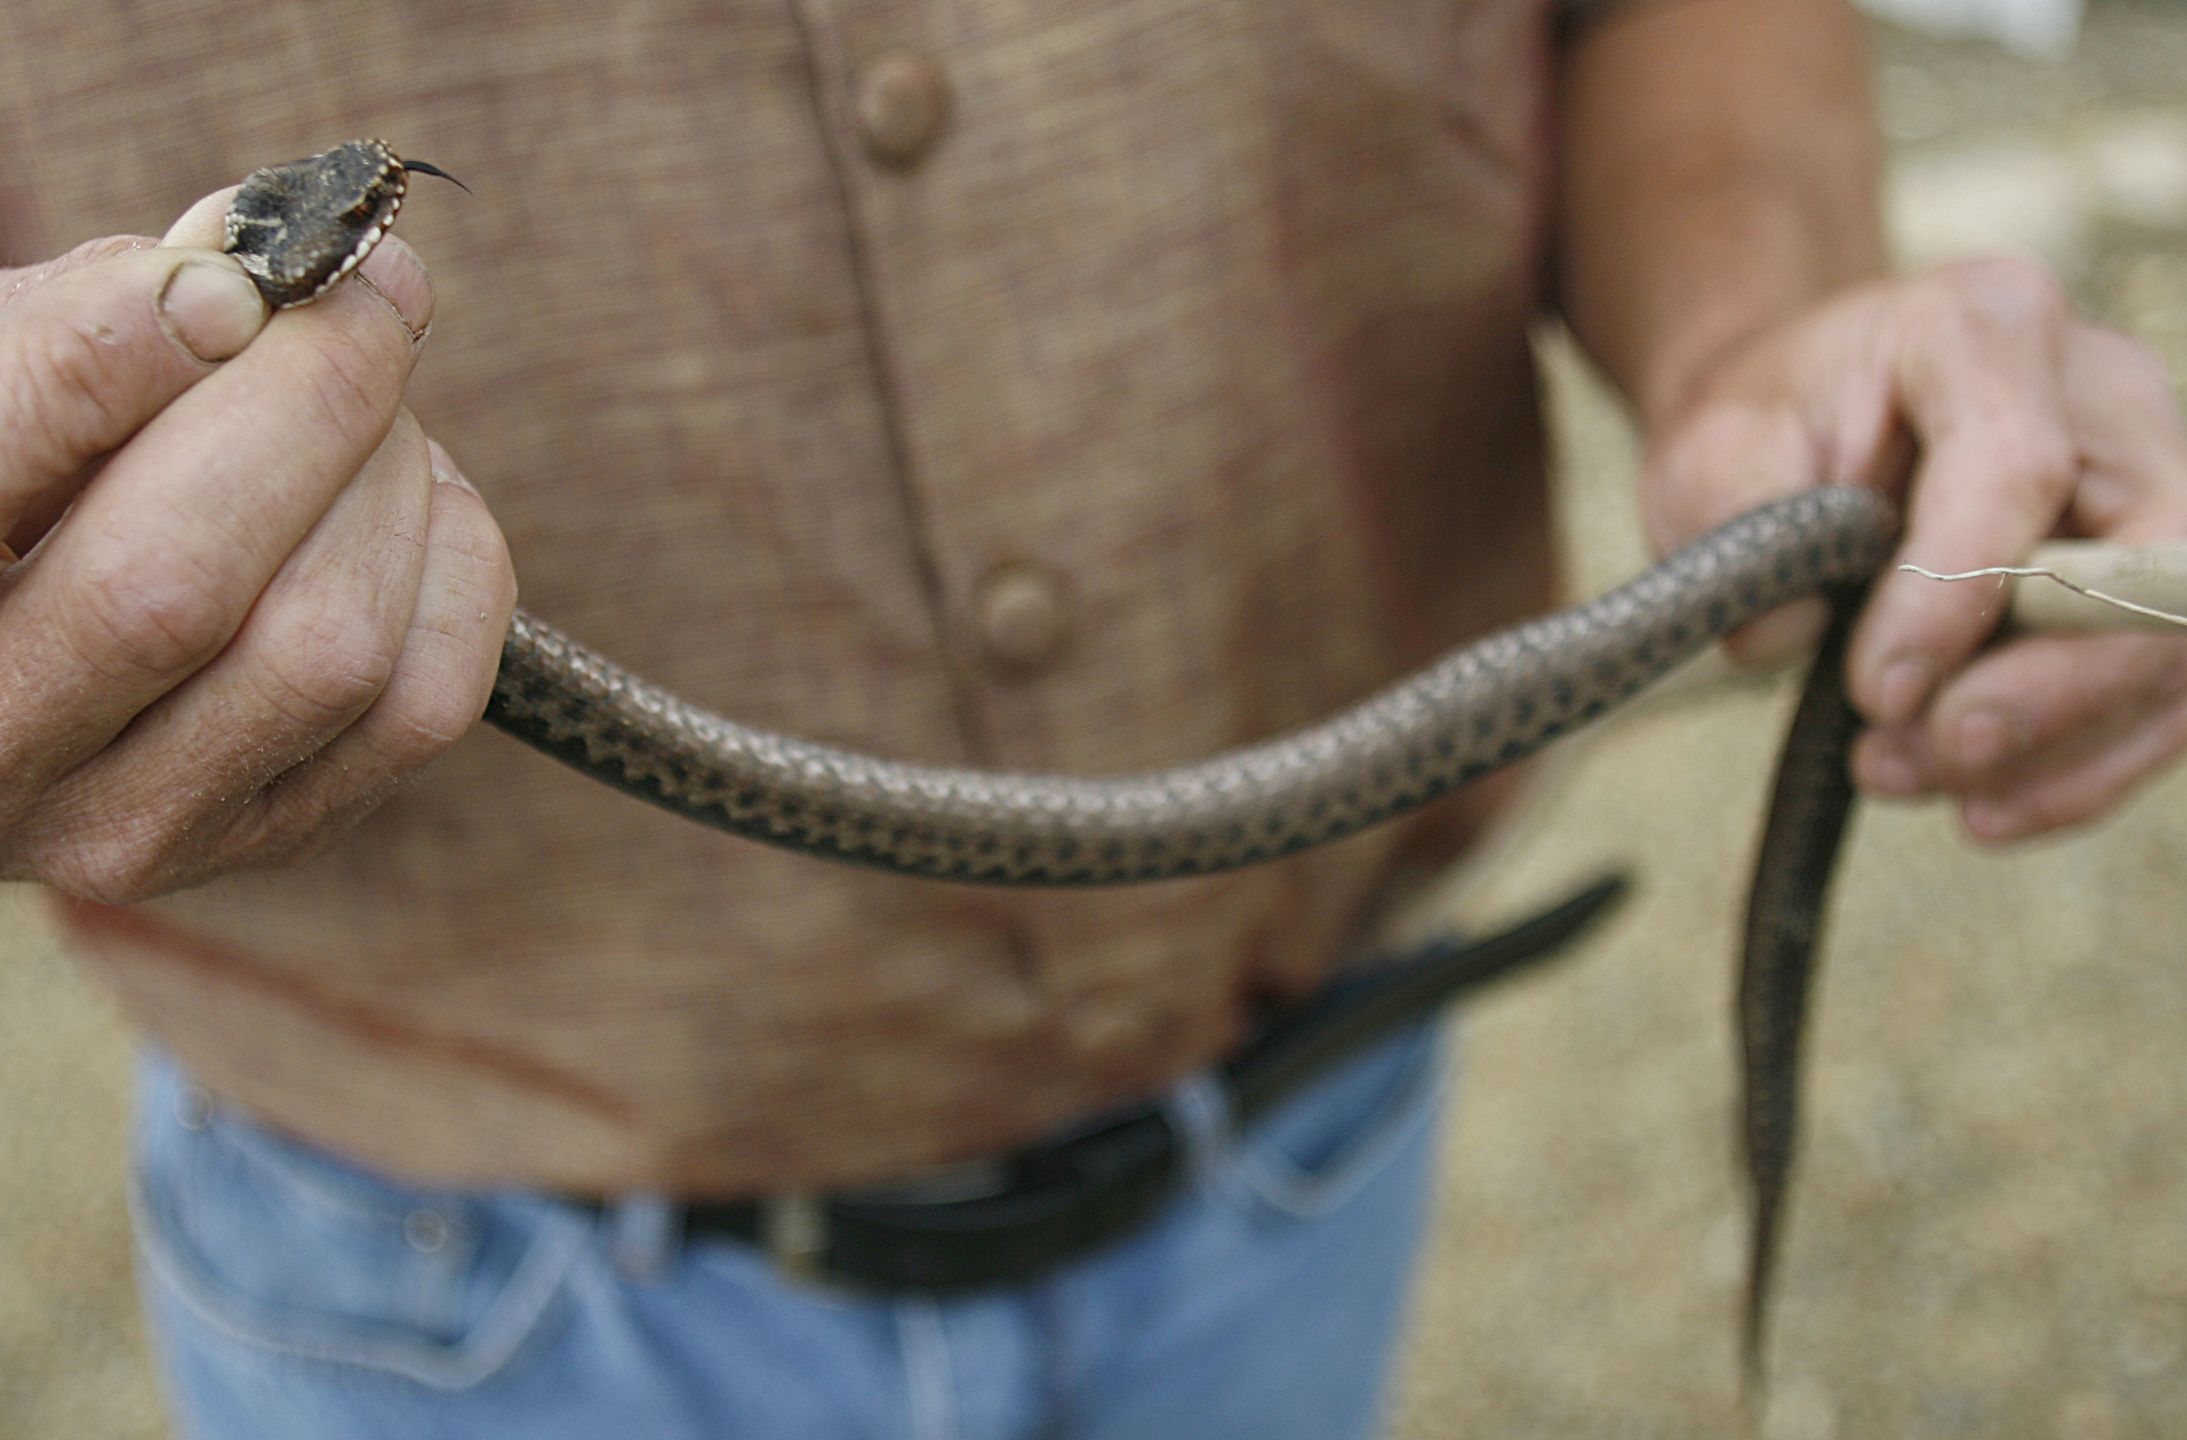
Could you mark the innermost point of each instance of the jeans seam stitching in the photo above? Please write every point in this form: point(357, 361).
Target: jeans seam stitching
point(514, 1316)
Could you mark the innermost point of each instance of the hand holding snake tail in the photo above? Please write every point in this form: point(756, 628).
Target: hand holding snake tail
point(300, 228)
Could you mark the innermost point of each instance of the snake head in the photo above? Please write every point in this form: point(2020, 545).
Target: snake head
point(299, 229)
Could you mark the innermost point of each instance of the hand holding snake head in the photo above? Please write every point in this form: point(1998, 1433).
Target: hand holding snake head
point(248, 606)
point(2002, 418)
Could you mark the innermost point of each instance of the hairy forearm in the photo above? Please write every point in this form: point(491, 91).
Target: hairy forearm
point(1719, 172)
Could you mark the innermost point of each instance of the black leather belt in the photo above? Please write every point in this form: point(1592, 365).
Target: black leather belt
point(1011, 1219)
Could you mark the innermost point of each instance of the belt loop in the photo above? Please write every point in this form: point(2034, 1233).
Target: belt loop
point(929, 1375)
point(1200, 1109)
point(793, 1229)
point(644, 1234)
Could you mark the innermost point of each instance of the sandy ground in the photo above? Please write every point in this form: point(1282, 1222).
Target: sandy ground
point(1988, 1237)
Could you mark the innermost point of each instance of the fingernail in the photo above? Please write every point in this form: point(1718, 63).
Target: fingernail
point(397, 275)
point(212, 310)
point(1984, 737)
point(1905, 688)
point(444, 469)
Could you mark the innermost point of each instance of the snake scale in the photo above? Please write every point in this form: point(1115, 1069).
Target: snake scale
point(300, 228)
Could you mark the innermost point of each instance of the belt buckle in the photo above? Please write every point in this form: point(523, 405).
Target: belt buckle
point(793, 1230)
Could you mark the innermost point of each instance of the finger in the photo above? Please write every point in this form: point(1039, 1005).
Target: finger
point(466, 597)
point(153, 571)
point(2011, 706)
point(90, 355)
point(204, 225)
point(1979, 374)
point(16, 283)
point(2083, 780)
point(2125, 411)
point(143, 815)
point(1742, 444)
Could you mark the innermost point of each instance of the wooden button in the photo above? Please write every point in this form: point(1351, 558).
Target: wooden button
point(902, 103)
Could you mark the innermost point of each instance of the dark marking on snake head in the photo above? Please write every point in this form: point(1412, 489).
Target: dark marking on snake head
point(299, 229)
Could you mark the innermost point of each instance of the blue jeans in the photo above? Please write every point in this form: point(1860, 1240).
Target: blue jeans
point(294, 1296)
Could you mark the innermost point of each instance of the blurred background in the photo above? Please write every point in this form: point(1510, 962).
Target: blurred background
point(1990, 1231)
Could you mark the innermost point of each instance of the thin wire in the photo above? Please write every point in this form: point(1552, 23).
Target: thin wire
point(2038, 572)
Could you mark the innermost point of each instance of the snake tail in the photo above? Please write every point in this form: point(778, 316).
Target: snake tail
point(1812, 804)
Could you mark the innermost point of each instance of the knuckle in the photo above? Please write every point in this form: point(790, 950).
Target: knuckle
point(426, 727)
point(104, 247)
point(476, 566)
point(2135, 368)
point(71, 385)
point(2031, 458)
point(2011, 290)
point(485, 570)
point(324, 662)
point(130, 614)
point(292, 826)
point(2039, 460)
point(435, 711)
point(128, 862)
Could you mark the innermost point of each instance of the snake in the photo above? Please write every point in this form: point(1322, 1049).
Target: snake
point(299, 229)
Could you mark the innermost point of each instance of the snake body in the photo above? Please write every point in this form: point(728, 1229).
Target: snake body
point(300, 228)
point(1483, 706)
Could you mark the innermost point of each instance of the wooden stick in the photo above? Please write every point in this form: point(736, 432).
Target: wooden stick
point(2086, 585)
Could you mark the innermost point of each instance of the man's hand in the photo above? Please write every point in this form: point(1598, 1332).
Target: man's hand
point(253, 597)
point(2014, 420)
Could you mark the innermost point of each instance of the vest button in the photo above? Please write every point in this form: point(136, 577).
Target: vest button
point(1023, 614)
point(901, 102)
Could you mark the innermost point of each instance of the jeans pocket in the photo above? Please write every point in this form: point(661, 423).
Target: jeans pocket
point(270, 1244)
point(1317, 1148)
